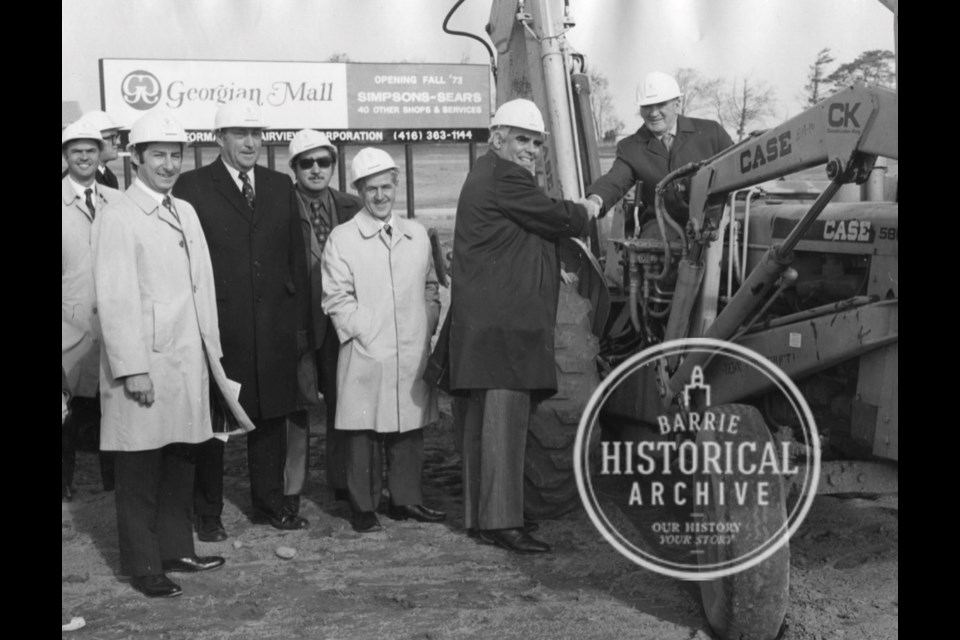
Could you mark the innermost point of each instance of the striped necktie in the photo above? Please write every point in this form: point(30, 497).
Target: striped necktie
point(88, 192)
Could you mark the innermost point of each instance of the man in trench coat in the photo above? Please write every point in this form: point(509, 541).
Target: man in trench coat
point(506, 283)
point(313, 159)
point(81, 198)
point(161, 352)
point(381, 291)
point(250, 218)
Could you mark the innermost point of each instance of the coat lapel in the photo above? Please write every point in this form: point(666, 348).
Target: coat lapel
point(685, 127)
point(71, 197)
point(224, 184)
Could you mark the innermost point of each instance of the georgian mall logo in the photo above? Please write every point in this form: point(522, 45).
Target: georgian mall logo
point(140, 90)
point(706, 498)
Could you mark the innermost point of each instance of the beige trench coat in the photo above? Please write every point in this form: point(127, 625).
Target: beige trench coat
point(79, 329)
point(158, 315)
point(382, 294)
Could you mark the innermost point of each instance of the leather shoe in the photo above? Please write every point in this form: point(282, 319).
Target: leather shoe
point(416, 512)
point(210, 529)
point(516, 540)
point(156, 586)
point(284, 522)
point(528, 525)
point(366, 522)
point(192, 564)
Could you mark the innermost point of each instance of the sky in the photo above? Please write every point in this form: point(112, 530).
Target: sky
point(770, 40)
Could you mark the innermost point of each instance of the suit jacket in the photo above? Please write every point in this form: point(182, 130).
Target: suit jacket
point(346, 206)
point(643, 157)
point(261, 281)
point(506, 279)
point(157, 308)
point(79, 329)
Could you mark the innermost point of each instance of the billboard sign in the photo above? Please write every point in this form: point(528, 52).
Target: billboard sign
point(352, 102)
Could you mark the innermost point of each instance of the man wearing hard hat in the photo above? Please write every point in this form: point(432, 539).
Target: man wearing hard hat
point(313, 160)
point(81, 199)
point(110, 132)
point(381, 292)
point(250, 218)
point(666, 141)
point(161, 355)
point(506, 283)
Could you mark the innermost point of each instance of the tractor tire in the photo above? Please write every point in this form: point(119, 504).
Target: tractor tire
point(751, 604)
point(550, 488)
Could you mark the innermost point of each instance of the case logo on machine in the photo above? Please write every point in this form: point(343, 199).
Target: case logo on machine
point(140, 90)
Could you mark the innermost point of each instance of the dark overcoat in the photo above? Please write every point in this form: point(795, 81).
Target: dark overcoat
point(642, 156)
point(506, 279)
point(261, 281)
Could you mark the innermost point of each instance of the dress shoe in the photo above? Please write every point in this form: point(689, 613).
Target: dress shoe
point(366, 522)
point(528, 525)
point(210, 529)
point(516, 540)
point(156, 586)
point(284, 522)
point(66, 493)
point(291, 505)
point(416, 512)
point(192, 564)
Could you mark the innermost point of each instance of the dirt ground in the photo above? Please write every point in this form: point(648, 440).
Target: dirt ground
point(420, 581)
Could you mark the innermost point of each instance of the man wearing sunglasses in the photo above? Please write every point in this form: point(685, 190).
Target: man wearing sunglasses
point(506, 284)
point(313, 159)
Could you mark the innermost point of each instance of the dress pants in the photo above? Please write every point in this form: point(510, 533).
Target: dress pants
point(365, 453)
point(494, 440)
point(266, 450)
point(335, 455)
point(153, 507)
point(297, 459)
point(84, 422)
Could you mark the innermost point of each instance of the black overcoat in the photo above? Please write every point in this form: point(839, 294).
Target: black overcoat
point(642, 156)
point(506, 279)
point(261, 280)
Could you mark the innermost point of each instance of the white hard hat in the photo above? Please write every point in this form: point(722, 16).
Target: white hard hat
point(370, 161)
point(242, 114)
point(657, 87)
point(308, 140)
point(157, 126)
point(519, 113)
point(100, 120)
point(81, 130)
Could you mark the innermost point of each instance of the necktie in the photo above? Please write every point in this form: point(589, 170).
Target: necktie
point(387, 229)
point(89, 202)
point(667, 140)
point(247, 189)
point(168, 204)
point(321, 228)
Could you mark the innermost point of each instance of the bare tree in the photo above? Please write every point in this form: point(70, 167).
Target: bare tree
point(606, 124)
point(874, 67)
point(816, 77)
point(697, 89)
point(744, 105)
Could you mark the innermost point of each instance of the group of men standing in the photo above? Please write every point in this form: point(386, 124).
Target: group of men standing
point(221, 300)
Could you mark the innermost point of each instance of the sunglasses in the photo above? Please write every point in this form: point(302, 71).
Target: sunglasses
point(306, 163)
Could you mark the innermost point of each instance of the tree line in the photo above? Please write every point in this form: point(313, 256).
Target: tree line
point(742, 105)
